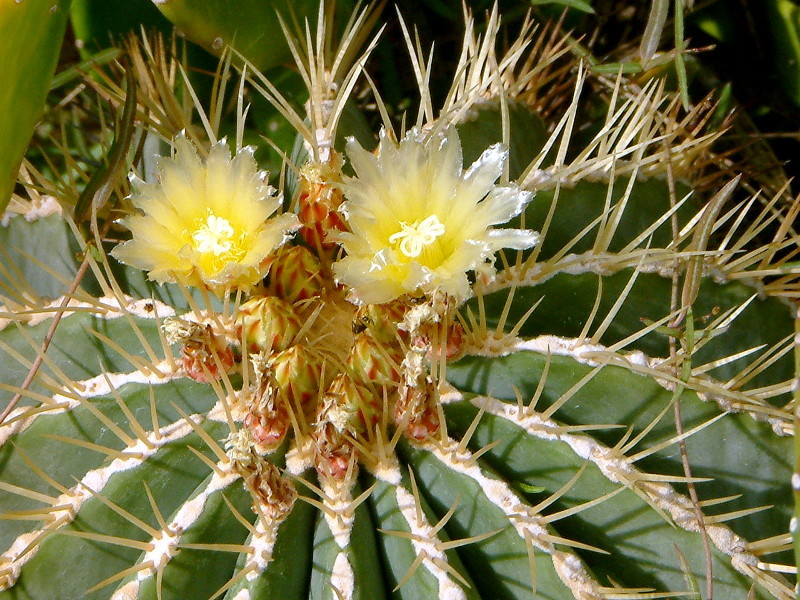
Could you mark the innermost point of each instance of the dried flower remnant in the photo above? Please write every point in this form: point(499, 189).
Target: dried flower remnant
point(205, 355)
point(273, 494)
point(205, 223)
point(419, 223)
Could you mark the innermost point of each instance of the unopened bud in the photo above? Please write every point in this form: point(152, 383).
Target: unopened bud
point(298, 374)
point(369, 360)
point(267, 324)
point(295, 274)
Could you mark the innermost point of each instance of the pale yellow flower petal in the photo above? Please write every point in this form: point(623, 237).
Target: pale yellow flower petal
point(418, 222)
point(205, 223)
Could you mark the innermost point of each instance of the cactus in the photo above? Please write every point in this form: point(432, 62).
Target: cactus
point(252, 26)
point(565, 371)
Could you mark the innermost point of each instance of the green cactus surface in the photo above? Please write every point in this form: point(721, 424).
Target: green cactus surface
point(538, 342)
point(252, 26)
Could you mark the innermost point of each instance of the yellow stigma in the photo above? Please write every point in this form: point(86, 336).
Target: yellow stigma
point(412, 239)
point(213, 235)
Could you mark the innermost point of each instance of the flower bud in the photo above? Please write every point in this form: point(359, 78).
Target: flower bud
point(381, 320)
point(440, 341)
point(295, 274)
point(369, 360)
point(298, 374)
point(349, 406)
point(318, 201)
point(268, 324)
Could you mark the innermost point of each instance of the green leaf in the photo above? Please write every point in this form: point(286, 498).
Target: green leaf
point(484, 127)
point(566, 301)
point(784, 21)
point(288, 573)
point(399, 552)
point(361, 552)
point(740, 454)
point(80, 423)
point(640, 543)
point(577, 207)
point(197, 573)
point(499, 564)
point(97, 23)
point(79, 353)
point(30, 42)
point(38, 256)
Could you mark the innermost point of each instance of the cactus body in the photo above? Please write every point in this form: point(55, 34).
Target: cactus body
point(252, 28)
point(289, 439)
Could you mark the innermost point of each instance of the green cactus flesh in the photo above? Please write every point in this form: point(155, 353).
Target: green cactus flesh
point(542, 460)
point(252, 27)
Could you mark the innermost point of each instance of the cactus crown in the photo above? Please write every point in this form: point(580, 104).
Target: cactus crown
point(417, 378)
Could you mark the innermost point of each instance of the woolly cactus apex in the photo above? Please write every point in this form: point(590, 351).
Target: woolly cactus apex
point(608, 415)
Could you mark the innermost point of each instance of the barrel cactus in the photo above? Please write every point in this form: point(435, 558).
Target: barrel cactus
point(514, 346)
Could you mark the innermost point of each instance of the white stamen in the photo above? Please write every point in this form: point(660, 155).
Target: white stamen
point(214, 235)
point(413, 238)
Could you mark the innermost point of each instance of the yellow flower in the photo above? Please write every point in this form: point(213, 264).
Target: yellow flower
point(419, 223)
point(205, 223)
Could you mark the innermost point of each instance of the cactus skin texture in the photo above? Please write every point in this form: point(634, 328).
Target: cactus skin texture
point(527, 443)
point(252, 26)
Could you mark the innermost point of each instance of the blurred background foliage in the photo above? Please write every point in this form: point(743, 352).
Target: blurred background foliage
point(745, 54)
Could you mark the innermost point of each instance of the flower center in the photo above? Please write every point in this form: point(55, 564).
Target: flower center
point(412, 239)
point(213, 235)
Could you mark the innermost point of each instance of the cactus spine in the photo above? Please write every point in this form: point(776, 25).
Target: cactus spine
point(382, 389)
